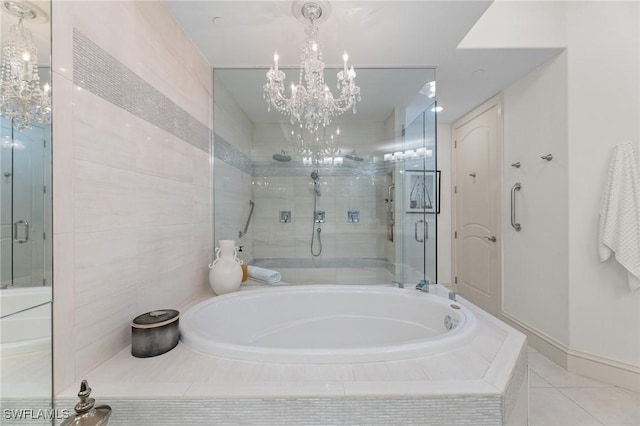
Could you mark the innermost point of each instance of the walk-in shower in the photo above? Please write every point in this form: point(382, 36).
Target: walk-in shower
point(334, 183)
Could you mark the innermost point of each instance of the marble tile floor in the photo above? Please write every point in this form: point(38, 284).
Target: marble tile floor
point(558, 397)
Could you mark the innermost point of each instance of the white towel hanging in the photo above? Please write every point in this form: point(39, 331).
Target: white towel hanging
point(619, 231)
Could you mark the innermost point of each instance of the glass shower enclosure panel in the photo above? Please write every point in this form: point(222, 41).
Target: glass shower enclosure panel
point(419, 200)
point(25, 214)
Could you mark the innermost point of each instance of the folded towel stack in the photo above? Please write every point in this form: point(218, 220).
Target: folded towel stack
point(265, 275)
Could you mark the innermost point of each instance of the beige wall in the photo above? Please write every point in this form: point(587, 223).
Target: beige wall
point(536, 258)
point(604, 110)
point(132, 202)
point(577, 107)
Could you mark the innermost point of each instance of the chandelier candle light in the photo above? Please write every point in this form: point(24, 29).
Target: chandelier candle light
point(21, 98)
point(320, 148)
point(312, 104)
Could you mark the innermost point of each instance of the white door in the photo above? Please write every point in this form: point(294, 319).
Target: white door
point(477, 215)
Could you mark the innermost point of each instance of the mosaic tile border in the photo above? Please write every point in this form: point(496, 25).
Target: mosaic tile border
point(449, 410)
point(228, 153)
point(518, 375)
point(350, 262)
point(225, 151)
point(98, 72)
point(271, 169)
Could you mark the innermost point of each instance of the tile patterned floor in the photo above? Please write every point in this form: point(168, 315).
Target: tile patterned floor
point(558, 397)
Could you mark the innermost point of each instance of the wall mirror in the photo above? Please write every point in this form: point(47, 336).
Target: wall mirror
point(25, 211)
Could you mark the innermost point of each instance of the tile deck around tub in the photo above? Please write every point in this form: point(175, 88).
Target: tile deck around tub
point(479, 373)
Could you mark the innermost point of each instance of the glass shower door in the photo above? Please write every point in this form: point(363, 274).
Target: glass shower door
point(419, 200)
point(24, 210)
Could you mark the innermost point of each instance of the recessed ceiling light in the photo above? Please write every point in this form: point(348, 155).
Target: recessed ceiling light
point(437, 109)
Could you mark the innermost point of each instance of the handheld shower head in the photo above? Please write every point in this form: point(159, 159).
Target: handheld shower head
point(316, 183)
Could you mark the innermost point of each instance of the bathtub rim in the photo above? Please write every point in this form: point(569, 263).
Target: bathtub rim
point(413, 349)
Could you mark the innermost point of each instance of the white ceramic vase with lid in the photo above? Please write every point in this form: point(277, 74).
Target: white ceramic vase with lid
point(225, 275)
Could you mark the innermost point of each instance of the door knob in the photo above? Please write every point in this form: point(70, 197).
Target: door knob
point(493, 239)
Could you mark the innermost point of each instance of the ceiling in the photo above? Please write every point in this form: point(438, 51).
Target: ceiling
point(376, 34)
point(40, 28)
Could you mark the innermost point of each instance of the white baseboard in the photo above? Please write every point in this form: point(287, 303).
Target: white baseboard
point(586, 364)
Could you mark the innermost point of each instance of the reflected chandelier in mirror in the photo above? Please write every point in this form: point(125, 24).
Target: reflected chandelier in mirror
point(22, 100)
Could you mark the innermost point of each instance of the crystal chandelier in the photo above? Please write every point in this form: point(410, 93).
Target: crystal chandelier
point(21, 98)
point(318, 148)
point(311, 104)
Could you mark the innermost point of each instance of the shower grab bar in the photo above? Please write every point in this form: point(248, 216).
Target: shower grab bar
point(515, 224)
point(26, 231)
point(391, 188)
point(246, 226)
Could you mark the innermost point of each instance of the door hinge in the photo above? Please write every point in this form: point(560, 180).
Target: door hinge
point(44, 189)
point(455, 234)
point(455, 189)
point(44, 143)
point(44, 235)
point(44, 281)
point(455, 144)
point(455, 281)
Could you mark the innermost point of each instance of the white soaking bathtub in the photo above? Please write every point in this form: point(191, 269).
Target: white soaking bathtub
point(326, 324)
point(25, 323)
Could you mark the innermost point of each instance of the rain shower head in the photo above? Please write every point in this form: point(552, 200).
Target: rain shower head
point(282, 157)
point(353, 156)
point(315, 176)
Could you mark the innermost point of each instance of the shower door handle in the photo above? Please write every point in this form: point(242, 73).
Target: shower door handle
point(515, 224)
point(415, 229)
point(26, 231)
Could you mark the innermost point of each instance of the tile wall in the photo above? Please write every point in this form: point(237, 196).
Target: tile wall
point(245, 170)
point(132, 182)
point(351, 186)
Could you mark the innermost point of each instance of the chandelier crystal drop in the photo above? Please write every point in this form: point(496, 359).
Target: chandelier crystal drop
point(21, 98)
point(316, 148)
point(311, 103)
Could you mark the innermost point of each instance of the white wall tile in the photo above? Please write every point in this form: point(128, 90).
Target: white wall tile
point(201, 168)
point(104, 198)
point(163, 201)
point(131, 186)
point(104, 145)
point(164, 155)
point(162, 248)
point(105, 263)
point(63, 153)
point(64, 313)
